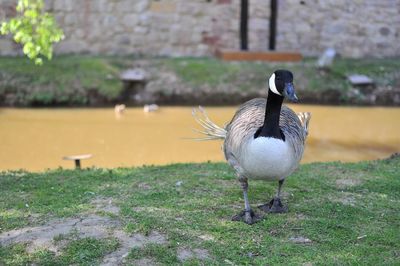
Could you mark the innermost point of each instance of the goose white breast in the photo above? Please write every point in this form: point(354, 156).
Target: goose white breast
point(267, 158)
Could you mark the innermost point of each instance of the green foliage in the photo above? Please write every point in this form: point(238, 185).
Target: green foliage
point(35, 29)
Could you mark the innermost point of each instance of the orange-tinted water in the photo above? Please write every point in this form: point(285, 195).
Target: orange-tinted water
point(36, 139)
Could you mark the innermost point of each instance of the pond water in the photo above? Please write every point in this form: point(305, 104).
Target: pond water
point(37, 139)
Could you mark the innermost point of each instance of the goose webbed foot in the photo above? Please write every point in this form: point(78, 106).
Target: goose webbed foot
point(249, 217)
point(274, 206)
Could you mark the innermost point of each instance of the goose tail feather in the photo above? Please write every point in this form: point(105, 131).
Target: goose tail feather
point(305, 120)
point(210, 130)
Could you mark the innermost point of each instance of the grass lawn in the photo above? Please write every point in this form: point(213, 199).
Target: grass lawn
point(339, 214)
point(252, 75)
point(63, 80)
point(83, 80)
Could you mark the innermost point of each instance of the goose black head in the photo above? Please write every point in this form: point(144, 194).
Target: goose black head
point(281, 83)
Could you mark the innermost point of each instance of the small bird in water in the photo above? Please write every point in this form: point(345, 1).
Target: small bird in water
point(264, 140)
point(147, 108)
point(119, 110)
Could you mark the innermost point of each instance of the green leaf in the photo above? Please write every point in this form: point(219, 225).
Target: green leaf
point(39, 61)
point(35, 29)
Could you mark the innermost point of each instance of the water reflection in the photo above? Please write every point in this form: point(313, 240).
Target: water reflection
point(36, 139)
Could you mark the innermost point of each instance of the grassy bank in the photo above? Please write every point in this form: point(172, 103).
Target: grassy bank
point(339, 214)
point(253, 75)
point(66, 80)
point(88, 80)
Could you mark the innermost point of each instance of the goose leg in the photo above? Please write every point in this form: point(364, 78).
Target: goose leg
point(247, 215)
point(275, 205)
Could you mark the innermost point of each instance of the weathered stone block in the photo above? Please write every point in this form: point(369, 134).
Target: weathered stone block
point(123, 40)
point(125, 6)
point(258, 24)
point(101, 6)
point(144, 19)
point(385, 31)
point(70, 19)
point(6, 47)
point(66, 5)
point(130, 20)
point(141, 30)
point(72, 46)
point(142, 6)
point(163, 7)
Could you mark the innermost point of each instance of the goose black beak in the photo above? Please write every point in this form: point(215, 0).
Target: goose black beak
point(289, 93)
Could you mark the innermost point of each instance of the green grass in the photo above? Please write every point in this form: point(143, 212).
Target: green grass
point(81, 80)
point(85, 251)
point(161, 253)
point(253, 75)
point(63, 80)
point(356, 223)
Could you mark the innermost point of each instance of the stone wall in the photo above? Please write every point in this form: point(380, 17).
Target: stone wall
point(198, 27)
point(355, 28)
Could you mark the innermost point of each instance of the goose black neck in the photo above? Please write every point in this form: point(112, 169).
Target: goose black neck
point(271, 128)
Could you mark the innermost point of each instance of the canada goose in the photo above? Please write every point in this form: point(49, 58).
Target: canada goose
point(264, 140)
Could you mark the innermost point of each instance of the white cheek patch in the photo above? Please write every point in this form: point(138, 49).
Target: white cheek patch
point(272, 86)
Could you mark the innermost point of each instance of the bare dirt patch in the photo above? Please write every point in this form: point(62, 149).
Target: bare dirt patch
point(198, 253)
point(42, 236)
point(152, 210)
point(129, 242)
point(145, 262)
point(300, 240)
point(345, 198)
point(90, 225)
point(106, 205)
point(300, 216)
point(297, 217)
point(144, 186)
point(347, 182)
point(207, 237)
